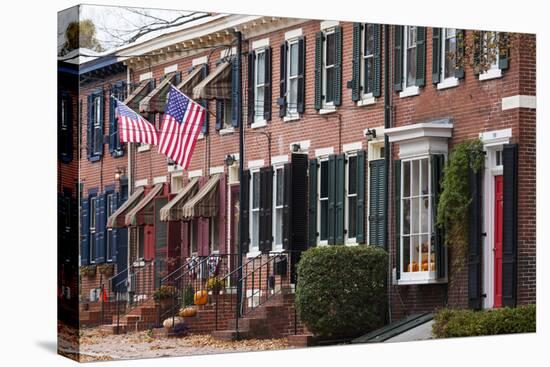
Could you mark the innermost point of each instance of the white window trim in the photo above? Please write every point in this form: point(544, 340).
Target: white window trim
point(216, 170)
point(291, 115)
point(319, 241)
point(145, 76)
point(412, 90)
point(199, 61)
point(279, 159)
point(159, 179)
point(418, 277)
point(326, 107)
point(451, 81)
point(170, 69)
point(291, 118)
point(292, 34)
point(143, 147)
point(142, 182)
point(348, 240)
point(276, 167)
point(328, 24)
point(494, 71)
point(255, 164)
point(519, 101)
point(258, 124)
point(227, 131)
point(259, 121)
point(304, 145)
point(194, 173)
point(324, 152)
point(352, 147)
point(253, 250)
point(366, 98)
point(261, 43)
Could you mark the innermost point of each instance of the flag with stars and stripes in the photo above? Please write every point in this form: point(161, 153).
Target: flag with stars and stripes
point(181, 126)
point(133, 128)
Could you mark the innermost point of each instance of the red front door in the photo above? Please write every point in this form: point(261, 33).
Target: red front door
point(498, 241)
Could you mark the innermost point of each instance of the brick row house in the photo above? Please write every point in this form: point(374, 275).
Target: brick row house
point(347, 129)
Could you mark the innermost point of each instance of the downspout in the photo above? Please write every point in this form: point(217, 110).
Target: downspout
point(130, 181)
point(387, 156)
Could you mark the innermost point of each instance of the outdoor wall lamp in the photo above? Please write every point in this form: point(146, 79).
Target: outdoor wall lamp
point(296, 148)
point(370, 134)
point(229, 160)
point(120, 173)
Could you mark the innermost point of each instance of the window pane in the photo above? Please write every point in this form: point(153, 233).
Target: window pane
point(424, 165)
point(324, 179)
point(329, 56)
point(424, 251)
point(329, 95)
point(141, 242)
point(256, 190)
point(406, 216)
point(324, 220)
point(450, 53)
point(279, 198)
point(214, 233)
point(352, 217)
point(369, 39)
point(194, 233)
point(411, 38)
point(227, 112)
point(411, 66)
point(92, 213)
point(406, 179)
point(414, 216)
point(424, 214)
point(260, 68)
point(293, 70)
point(255, 228)
point(293, 95)
point(352, 175)
point(415, 189)
point(415, 247)
point(259, 103)
point(406, 254)
point(278, 226)
point(369, 65)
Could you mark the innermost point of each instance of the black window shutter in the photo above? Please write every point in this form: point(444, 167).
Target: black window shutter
point(460, 57)
point(331, 216)
point(220, 107)
point(267, 87)
point(113, 127)
point(398, 59)
point(503, 51)
point(312, 212)
point(340, 231)
point(436, 55)
point(360, 237)
point(509, 224)
point(251, 83)
point(100, 229)
point(301, 98)
point(114, 233)
point(266, 198)
point(89, 127)
point(204, 103)
point(235, 93)
point(420, 56)
point(281, 101)
point(437, 162)
point(245, 186)
point(377, 189)
point(65, 137)
point(338, 40)
point(85, 232)
point(377, 64)
point(397, 215)
point(355, 82)
point(474, 240)
point(287, 206)
point(318, 98)
point(100, 131)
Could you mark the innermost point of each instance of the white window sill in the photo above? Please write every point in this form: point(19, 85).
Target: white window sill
point(448, 83)
point(201, 136)
point(258, 124)
point(367, 100)
point(409, 92)
point(420, 277)
point(227, 131)
point(351, 242)
point(291, 117)
point(144, 148)
point(490, 74)
point(327, 110)
point(253, 253)
point(139, 264)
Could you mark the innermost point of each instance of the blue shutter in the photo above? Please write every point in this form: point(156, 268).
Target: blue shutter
point(235, 93)
point(89, 127)
point(100, 243)
point(101, 120)
point(220, 111)
point(437, 163)
point(113, 126)
point(436, 54)
point(377, 67)
point(377, 187)
point(503, 51)
point(85, 232)
point(338, 40)
point(114, 233)
point(281, 101)
point(301, 75)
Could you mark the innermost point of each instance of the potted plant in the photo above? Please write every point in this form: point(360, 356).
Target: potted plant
point(88, 270)
point(163, 296)
point(106, 269)
point(215, 285)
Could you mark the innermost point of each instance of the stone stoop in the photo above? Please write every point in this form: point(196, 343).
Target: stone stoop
point(141, 318)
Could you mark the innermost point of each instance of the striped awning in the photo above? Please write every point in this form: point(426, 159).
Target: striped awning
point(204, 203)
point(131, 218)
point(191, 81)
point(173, 210)
point(155, 101)
point(142, 90)
point(116, 220)
point(216, 85)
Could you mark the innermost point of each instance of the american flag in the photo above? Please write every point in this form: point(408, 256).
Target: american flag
point(182, 122)
point(133, 128)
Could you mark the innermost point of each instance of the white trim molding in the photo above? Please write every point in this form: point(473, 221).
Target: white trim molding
point(413, 90)
point(216, 169)
point(350, 147)
point(195, 173)
point(199, 61)
point(496, 137)
point(143, 148)
point(256, 163)
point(422, 138)
point(264, 42)
point(328, 24)
point(448, 83)
point(145, 76)
point(519, 101)
point(159, 179)
point(225, 53)
point(304, 145)
point(493, 73)
point(322, 152)
point(142, 182)
point(278, 159)
point(258, 124)
point(171, 69)
point(295, 33)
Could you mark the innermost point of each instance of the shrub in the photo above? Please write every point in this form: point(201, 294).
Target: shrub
point(164, 292)
point(341, 290)
point(456, 323)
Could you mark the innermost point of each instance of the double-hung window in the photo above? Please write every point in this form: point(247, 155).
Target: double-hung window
point(92, 214)
point(368, 61)
point(193, 237)
point(213, 227)
point(448, 65)
point(278, 190)
point(140, 232)
point(417, 246)
point(489, 57)
point(111, 207)
point(351, 199)
point(293, 75)
point(409, 56)
point(255, 211)
point(97, 112)
point(259, 85)
point(322, 219)
point(329, 59)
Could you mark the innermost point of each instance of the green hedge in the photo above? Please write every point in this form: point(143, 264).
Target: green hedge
point(457, 323)
point(341, 290)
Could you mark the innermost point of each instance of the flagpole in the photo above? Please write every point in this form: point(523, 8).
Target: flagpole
point(240, 124)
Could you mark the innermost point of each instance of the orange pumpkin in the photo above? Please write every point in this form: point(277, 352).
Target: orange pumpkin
point(200, 298)
point(425, 266)
point(188, 312)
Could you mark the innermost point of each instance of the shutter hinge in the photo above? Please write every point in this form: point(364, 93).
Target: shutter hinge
point(484, 295)
point(483, 234)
